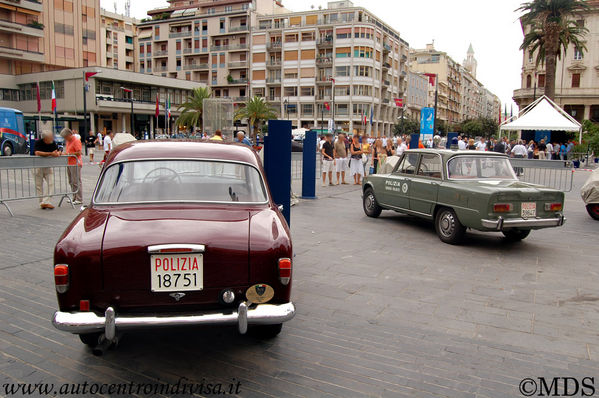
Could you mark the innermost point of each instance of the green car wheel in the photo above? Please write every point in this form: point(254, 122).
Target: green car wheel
point(371, 207)
point(448, 226)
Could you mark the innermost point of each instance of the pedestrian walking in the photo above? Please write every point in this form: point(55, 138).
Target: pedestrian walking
point(45, 147)
point(519, 151)
point(549, 150)
point(328, 159)
point(563, 152)
point(377, 151)
point(90, 144)
point(356, 167)
point(340, 154)
point(107, 143)
point(75, 162)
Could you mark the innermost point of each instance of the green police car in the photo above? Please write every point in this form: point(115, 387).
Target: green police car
point(463, 189)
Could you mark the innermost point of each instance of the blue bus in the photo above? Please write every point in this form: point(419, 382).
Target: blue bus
point(13, 138)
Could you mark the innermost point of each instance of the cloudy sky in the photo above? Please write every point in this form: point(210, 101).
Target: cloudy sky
point(491, 26)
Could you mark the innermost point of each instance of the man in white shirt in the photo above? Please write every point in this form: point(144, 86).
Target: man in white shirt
point(481, 145)
point(108, 144)
point(401, 147)
point(549, 150)
point(461, 143)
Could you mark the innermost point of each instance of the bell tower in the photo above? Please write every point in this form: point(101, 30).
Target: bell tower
point(470, 62)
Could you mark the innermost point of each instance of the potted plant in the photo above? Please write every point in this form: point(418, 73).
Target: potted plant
point(229, 78)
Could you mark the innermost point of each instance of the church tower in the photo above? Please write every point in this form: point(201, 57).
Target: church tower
point(470, 62)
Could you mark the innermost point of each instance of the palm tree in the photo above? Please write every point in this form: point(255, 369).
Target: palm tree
point(192, 108)
point(255, 110)
point(550, 27)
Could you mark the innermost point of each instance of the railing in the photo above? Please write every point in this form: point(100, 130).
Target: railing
point(386, 65)
point(274, 63)
point(229, 47)
point(557, 174)
point(20, 176)
point(159, 54)
point(238, 29)
point(386, 48)
point(238, 64)
point(237, 81)
point(324, 42)
point(187, 50)
point(324, 61)
point(273, 80)
point(173, 35)
point(197, 66)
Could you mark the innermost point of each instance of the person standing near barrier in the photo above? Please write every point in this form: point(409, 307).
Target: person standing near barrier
point(356, 167)
point(75, 161)
point(45, 147)
point(340, 152)
point(519, 151)
point(90, 143)
point(328, 160)
point(542, 147)
point(107, 143)
point(549, 150)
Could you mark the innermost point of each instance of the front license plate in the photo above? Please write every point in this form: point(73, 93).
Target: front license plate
point(529, 209)
point(177, 272)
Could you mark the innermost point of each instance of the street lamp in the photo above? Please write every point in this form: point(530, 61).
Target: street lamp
point(86, 76)
point(128, 90)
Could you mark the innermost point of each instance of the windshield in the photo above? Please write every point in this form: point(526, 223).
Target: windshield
point(480, 167)
point(180, 181)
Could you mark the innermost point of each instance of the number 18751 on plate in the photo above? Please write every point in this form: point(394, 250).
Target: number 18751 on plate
point(177, 272)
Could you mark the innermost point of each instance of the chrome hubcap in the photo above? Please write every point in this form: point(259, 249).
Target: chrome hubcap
point(370, 202)
point(447, 224)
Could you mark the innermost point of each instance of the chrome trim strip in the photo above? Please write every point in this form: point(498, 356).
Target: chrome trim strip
point(501, 224)
point(194, 248)
point(89, 322)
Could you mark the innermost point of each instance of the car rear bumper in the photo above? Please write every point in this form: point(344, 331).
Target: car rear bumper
point(89, 322)
point(531, 223)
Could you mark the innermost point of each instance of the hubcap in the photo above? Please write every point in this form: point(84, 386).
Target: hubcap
point(370, 202)
point(447, 224)
point(7, 151)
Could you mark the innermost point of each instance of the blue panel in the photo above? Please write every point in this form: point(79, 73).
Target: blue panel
point(427, 120)
point(309, 166)
point(451, 136)
point(414, 139)
point(543, 135)
point(277, 163)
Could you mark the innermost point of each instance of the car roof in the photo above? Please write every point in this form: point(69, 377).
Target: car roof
point(184, 149)
point(447, 153)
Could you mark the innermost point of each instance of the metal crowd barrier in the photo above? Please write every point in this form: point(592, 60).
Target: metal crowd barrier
point(17, 178)
point(558, 174)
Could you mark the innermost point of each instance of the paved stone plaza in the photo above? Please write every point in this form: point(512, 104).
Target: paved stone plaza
point(384, 310)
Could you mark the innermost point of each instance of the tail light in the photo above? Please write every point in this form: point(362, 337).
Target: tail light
point(553, 207)
point(84, 305)
point(502, 207)
point(284, 270)
point(61, 277)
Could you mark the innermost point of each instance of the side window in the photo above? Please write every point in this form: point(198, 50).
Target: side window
point(408, 164)
point(430, 166)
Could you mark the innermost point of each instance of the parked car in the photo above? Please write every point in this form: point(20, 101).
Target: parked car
point(463, 189)
point(177, 233)
point(590, 194)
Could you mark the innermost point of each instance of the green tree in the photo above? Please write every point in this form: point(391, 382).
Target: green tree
point(591, 136)
point(192, 109)
point(550, 27)
point(256, 110)
point(410, 126)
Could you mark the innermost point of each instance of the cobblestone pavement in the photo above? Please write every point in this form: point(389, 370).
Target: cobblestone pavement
point(384, 309)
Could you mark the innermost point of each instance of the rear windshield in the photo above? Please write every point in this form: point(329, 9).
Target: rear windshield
point(480, 167)
point(180, 181)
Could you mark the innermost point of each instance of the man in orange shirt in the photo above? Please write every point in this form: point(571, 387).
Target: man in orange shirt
point(73, 147)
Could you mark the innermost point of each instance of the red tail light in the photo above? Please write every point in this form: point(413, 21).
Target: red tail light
point(502, 207)
point(61, 277)
point(553, 207)
point(83, 305)
point(284, 270)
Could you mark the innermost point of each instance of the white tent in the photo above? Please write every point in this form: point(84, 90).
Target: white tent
point(543, 114)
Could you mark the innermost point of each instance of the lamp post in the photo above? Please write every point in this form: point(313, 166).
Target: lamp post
point(86, 76)
point(128, 90)
point(286, 105)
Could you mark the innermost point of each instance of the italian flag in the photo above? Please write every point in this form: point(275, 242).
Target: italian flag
point(53, 98)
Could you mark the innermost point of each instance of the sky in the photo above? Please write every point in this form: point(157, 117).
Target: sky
point(491, 26)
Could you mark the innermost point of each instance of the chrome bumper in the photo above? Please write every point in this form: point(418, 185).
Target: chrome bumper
point(501, 224)
point(89, 322)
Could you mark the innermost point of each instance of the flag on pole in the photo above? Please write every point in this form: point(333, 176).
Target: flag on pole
point(511, 111)
point(399, 102)
point(431, 78)
point(39, 98)
point(157, 107)
point(168, 108)
point(371, 115)
point(505, 111)
point(53, 99)
point(327, 106)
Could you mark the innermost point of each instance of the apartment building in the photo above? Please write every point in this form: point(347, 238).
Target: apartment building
point(203, 41)
point(576, 78)
point(118, 41)
point(340, 63)
point(420, 94)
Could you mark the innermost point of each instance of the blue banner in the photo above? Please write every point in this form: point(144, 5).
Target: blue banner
point(427, 123)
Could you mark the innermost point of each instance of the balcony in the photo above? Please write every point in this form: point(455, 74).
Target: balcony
point(238, 65)
point(273, 80)
point(324, 61)
point(274, 99)
point(28, 30)
point(173, 35)
point(275, 63)
point(187, 50)
point(231, 47)
point(324, 80)
point(161, 69)
point(24, 55)
point(324, 42)
point(386, 83)
point(274, 45)
point(234, 29)
point(237, 82)
point(32, 5)
point(386, 48)
point(158, 54)
point(197, 67)
point(386, 65)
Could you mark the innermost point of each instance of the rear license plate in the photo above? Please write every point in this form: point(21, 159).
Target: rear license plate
point(529, 209)
point(177, 272)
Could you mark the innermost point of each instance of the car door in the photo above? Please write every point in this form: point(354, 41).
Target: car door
point(424, 187)
point(397, 184)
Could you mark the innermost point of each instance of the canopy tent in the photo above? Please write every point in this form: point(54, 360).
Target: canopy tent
point(543, 114)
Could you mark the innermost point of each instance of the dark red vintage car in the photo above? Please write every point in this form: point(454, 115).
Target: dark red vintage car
point(177, 233)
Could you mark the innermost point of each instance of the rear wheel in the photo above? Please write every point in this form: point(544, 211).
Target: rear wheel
point(448, 226)
point(371, 207)
point(266, 331)
point(515, 235)
point(7, 149)
point(90, 339)
point(593, 210)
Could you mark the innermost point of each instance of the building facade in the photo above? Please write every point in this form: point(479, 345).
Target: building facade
point(118, 42)
point(340, 63)
point(576, 78)
point(418, 95)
